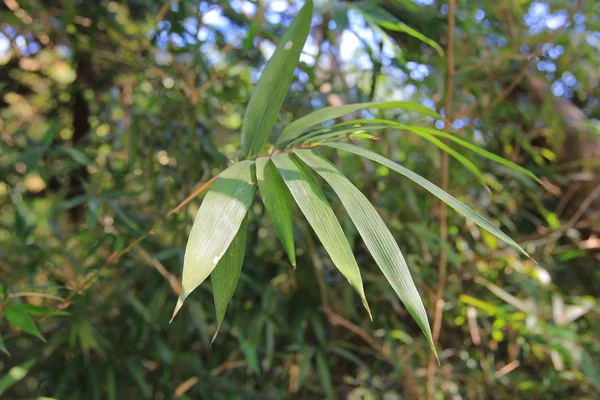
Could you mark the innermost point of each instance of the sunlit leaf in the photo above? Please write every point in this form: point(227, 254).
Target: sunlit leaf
point(15, 374)
point(474, 148)
point(226, 274)
point(435, 132)
point(336, 134)
point(320, 216)
point(377, 237)
point(274, 83)
point(216, 224)
point(20, 319)
point(462, 159)
point(301, 125)
point(457, 205)
point(378, 15)
point(278, 203)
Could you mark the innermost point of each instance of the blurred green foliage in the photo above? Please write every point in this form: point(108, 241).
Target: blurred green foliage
point(111, 114)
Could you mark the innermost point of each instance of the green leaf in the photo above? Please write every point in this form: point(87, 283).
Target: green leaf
point(460, 207)
point(336, 134)
point(402, 27)
point(274, 83)
point(299, 126)
point(462, 159)
point(325, 375)
point(377, 237)
point(226, 274)
point(19, 318)
point(320, 216)
point(470, 146)
point(3, 347)
point(385, 19)
point(15, 374)
point(419, 130)
point(77, 156)
point(278, 203)
point(216, 224)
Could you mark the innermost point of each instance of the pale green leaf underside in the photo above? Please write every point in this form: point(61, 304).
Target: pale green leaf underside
point(216, 224)
point(377, 237)
point(457, 205)
point(278, 203)
point(226, 274)
point(301, 125)
point(274, 83)
point(313, 204)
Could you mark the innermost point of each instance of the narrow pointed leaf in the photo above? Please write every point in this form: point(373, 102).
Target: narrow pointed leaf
point(20, 319)
point(462, 159)
point(274, 83)
point(226, 274)
point(320, 216)
point(15, 374)
point(301, 125)
point(377, 237)
point(474, 148)
point(278, 203)
point(457, 205)
point(216, 224)
point(380, 16)
point(435, 132)
point(3, 347)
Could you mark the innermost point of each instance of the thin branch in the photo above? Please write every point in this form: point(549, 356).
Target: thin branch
point(524, 71)
point(444, 163)
point(35, 294)
point(114, 257)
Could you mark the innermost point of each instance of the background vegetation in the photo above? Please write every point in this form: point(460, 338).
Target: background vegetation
point(112, 113)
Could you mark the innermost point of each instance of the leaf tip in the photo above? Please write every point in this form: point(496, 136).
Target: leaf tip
point(215, 335)
point(368, 308)
point(180, 301)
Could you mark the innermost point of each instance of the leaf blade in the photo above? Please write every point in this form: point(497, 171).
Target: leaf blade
point(457, 205)
point(376, 235)
point(278, 203)
point(226, 275)
point(16, 374)
point(274, 82)
point(299, 126)
point(320, 216)
point(474, 148)
point(20, 319)
point(217, 222)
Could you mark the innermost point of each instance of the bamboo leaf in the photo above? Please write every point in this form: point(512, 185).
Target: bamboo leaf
point(15, 374)
point(378, 15)
point(462, 159)
point(19, 318)
point(226, 274)
point(216, 224)
point(301, 125)
point(325, 376)
point(274, 83)
point(3, 347)
point(476, 149)
point(457, 205)
point(377, 237)
point(278, 203)
point(320, 216)
point(419, 130)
